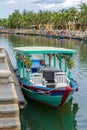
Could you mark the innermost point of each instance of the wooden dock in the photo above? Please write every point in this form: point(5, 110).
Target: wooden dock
point(11, 98)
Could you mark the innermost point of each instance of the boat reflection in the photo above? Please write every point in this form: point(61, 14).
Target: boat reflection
point(39, 117)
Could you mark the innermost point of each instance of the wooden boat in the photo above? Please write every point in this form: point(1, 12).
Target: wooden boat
point(44, 74)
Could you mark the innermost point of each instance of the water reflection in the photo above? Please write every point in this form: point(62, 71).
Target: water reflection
point(83, 53)
point(39, 117)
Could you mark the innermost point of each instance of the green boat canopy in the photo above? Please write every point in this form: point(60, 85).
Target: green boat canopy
point(43, 50)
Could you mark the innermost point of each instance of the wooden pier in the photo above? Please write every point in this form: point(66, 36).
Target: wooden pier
point(11, 98)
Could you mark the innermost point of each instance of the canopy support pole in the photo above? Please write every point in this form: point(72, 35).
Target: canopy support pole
point(60, 62)
point(54, 60)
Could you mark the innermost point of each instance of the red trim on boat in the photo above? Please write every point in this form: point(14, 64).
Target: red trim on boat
point(34, 88)
point(64, 97)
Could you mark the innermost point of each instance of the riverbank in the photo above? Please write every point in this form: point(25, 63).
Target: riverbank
point(9, 104)
point(68, 34)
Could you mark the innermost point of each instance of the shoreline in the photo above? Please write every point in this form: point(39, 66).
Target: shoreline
point(67, 34)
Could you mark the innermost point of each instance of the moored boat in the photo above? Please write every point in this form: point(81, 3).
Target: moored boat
point(44, 74)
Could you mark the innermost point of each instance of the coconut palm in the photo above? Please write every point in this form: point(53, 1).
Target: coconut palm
point(83, 18)
point(58, 19)
point(14, 19)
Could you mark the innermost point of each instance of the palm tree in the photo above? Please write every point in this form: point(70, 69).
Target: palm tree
point(14, 19)
point(83, 19)
point(58, 19)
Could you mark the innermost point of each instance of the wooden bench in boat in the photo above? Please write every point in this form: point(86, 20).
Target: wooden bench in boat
point(61, 79)
point(37, 79)
point(55, 80)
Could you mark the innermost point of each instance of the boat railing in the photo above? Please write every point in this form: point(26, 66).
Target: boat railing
point(61, 79)
point(37, 79)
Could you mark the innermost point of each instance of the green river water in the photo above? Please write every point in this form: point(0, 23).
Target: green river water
point(73, 115)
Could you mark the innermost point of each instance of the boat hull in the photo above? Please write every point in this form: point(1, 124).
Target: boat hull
point(54, 101)
point(55, 97)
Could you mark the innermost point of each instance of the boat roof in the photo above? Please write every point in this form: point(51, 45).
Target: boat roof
point(43, 50)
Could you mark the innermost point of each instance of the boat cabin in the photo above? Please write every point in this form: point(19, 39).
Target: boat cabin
point(45, 66)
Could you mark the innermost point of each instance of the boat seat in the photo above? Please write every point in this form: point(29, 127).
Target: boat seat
point(37, 79)
point(61, 79)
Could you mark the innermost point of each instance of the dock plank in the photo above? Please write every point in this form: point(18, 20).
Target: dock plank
point(9, 110)
point(9, 123)
point(7, 92)
point(9, 103)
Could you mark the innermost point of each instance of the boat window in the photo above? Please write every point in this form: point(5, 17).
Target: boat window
point(35, 65)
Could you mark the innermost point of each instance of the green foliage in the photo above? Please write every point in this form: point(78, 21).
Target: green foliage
point(28, 63)
point(58, 19)
point(70, 64)
point(14, 19)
